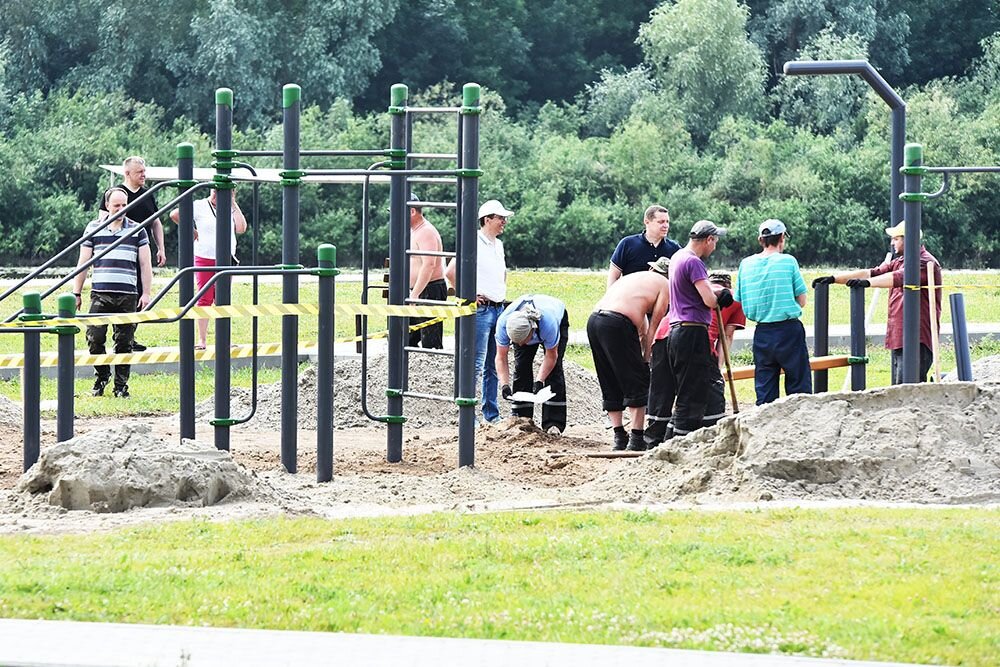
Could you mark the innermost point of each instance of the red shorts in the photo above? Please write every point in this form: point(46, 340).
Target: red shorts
point(202, 277)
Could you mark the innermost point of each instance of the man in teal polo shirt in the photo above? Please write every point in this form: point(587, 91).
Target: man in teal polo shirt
point(770, 287)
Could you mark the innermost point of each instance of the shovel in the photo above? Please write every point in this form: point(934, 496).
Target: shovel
point(725, 356)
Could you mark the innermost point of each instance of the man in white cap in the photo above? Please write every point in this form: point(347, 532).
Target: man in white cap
point(890, 274)
point(770, 287)
point(491, 295)
point(530, 321)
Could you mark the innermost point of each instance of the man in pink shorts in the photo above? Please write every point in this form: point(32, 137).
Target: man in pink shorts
point(204, 249)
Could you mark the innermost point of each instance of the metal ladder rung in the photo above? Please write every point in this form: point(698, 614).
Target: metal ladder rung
point(433, 204)
point(433, 109)
point(433, 180)
point(429, 302)
point(430, 253)
point(429, 350)
point(432, 156)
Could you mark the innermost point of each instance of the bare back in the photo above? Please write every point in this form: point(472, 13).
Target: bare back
point(425, 237)
point(637, 295)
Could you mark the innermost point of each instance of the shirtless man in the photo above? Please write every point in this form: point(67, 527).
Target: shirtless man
point(621, 337)
point(426, 277)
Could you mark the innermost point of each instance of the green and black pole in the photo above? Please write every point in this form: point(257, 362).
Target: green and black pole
point(398, 289)
point(327, 271)
point(858, 357)
point(223, 155)
point(31, 392)
point(185, 258)
point(466, 332)
point(66, 368)
point(913, 171)
point(291, 176)
point(821, 335)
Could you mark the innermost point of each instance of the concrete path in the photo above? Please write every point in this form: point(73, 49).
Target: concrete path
point(65, 643)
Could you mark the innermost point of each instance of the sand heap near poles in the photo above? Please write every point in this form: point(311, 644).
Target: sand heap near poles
point(429, 374)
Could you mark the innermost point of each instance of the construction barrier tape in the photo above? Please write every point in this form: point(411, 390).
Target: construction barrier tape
point(263, 310)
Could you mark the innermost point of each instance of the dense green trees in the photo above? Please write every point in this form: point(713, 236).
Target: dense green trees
point(593, 111)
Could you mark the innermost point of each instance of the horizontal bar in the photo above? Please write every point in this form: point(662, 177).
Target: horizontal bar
point(427, 180)
point(963, 170)
point(430, 350)
point(432, 156)
point(429, 302)
point(433, 109)
point(318, 153)
point(429, 397)
point(433, 204)
point(430, 253)
point(381, 172)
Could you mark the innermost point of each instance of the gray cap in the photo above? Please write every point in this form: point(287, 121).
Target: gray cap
point(661, 265)
point(771, 227)
point(519, 327)
point(705, 228)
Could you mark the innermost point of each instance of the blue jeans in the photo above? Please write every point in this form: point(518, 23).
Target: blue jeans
point(486, 353)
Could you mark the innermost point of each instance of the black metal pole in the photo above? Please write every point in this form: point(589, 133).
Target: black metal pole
point(960, 334)
point(466, 260)
point(66, 371)
point(185, 258)
point(223, 257)
point(821, 336)
point(912, 205)
point(290, 179)
point(858, 351)
point(31, 392)
point(327, 261)
point(398, 289)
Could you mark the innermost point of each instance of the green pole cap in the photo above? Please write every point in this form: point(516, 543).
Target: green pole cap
point(32, 302)
point(67, 305)
point(399, 93)
point(291, 93)
point(327, 252)
point(185, 150)
point(470, 95)
point(913, 155)
point(224, 97)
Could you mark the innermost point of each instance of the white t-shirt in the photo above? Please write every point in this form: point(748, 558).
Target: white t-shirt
point(491, 269)
point(204, 222)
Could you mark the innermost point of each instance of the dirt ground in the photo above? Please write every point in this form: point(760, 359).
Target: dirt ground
point(924, 444)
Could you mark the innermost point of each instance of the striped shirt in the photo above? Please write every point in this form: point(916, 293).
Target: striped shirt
point(767, 285)
point(115, 271)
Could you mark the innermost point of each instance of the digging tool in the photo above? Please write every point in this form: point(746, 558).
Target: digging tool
point(725, 356)
point(932, 312)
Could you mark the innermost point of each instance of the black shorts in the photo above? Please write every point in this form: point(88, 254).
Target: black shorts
point(621, 370)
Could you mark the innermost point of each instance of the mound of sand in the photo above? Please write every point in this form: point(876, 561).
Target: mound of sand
point(986, 369)
point(429, 374)
point(125, 466)
point(920, 443)
point(10, 412)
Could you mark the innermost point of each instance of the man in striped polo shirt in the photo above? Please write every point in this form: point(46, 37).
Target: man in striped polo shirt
point(121, 251)
point(773, 293)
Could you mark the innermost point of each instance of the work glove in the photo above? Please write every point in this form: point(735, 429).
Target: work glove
point(505, 392)
point(725, 298)
point(824, 280)
point(537, 387)
point(859, 282)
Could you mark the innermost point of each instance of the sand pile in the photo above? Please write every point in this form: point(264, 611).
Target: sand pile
point(429, 374)
point(913, 443)
point(986, 369)
point(125, 466)
point(10, 412)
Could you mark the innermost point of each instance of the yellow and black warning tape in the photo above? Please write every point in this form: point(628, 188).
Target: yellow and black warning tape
point(261, 310)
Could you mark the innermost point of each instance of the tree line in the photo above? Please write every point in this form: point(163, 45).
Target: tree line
point(593, 110)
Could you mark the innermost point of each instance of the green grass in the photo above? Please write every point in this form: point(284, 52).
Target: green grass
point(860, 583)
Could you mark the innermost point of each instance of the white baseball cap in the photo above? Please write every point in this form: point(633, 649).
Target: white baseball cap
point(493, 207)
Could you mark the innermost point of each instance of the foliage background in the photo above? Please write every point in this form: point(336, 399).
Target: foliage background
point(593, 111)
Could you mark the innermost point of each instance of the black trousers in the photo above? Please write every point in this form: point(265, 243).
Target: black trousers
point(430, 336)
point(896, 364)
point(660, 405)
point(554, 409)
point(621, 370)
point(97, 336)
point(690, 376)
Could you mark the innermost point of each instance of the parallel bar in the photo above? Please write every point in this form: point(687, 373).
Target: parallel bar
point(858, 371)
point(185, 258)
point(291, 106)
point(66, 371)
point(327, 259)
point(31, 391)
point(821, 336)
point(428, 397)
point(430, 350)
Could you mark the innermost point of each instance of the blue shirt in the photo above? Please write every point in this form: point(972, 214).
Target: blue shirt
point(634, 253)
point(116, 271)
point(767, 285)
point(547, 333)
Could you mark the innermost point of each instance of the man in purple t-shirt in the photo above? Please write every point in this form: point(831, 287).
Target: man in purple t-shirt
point(688, 373)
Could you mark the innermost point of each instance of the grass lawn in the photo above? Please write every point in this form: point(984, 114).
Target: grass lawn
point(881, 584)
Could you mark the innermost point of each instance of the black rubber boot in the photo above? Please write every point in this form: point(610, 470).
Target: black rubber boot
point(621, 439)
point(99, 385)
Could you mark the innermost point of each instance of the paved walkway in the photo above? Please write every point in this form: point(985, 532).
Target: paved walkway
point(64, 643)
